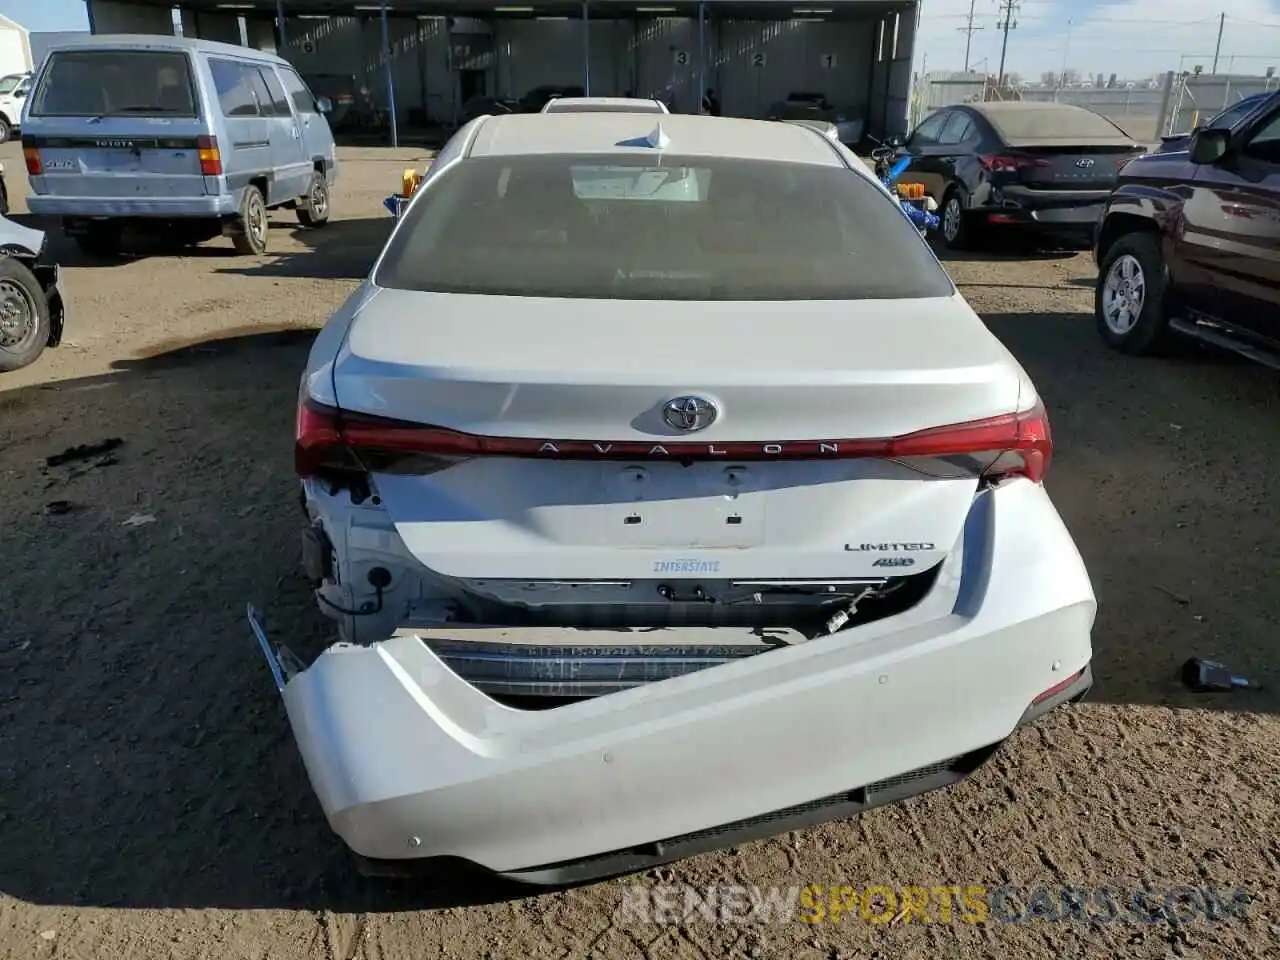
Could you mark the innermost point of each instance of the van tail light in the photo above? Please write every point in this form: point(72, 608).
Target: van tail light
point(210, 156)
point(331, 442)
point(1010, 163)
point(31, 156)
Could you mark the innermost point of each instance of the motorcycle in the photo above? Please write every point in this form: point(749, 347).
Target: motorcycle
point(919, 207)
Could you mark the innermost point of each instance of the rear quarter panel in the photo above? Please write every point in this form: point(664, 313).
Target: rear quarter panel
point(1152, 196)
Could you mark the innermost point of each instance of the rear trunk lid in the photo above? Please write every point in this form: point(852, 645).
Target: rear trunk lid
point(1073, 167)
point(589, 462)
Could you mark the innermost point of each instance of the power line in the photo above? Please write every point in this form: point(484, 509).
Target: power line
point(969, 31)
point(1009, 9)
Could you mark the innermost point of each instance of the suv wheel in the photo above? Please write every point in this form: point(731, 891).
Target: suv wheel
point(6, 130)
point(1129, 301)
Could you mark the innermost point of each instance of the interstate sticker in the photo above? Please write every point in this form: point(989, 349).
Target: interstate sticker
point(686, 565)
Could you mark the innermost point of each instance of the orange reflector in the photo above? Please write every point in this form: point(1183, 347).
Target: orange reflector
point(409, 182)
point(32, 157)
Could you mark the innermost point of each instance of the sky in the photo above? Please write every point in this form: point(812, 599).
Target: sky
point(1134, 38)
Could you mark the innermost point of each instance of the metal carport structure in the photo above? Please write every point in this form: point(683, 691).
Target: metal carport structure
point(420, 59)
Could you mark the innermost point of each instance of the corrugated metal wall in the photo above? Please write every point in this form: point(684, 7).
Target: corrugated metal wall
point(751, 65)
point(650, 58)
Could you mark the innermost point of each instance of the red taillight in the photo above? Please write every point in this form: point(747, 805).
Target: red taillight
point(1011, 445)
point(210, 156)
point(31, 156)
point(1057, 688)
point(1010, 163)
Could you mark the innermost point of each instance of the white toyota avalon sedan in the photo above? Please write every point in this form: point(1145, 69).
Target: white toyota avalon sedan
point(666, 494)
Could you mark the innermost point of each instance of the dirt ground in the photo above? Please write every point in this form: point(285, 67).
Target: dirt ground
point(152, 803)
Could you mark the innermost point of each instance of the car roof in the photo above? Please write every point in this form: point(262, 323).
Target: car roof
point(602, 104)
point(686, 134)
point(1029, 123)
point(146, 41)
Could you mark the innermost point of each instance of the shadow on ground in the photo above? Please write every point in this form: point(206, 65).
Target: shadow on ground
point(340, 250)
point(146, 760)
point(1003, 246)
point(1162, 472)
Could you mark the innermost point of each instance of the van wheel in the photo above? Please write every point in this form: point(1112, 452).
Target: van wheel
point(100, 240)
point(313, 208)
point(24, 316)
point(250, 234)
point(6, 131)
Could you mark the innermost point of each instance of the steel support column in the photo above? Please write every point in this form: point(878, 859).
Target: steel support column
point(281, 41)
point(586, 48)
point(88, 9)
point(702, 54)
point(391, 83)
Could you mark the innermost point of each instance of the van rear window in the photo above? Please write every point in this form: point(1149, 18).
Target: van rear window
point(115, 83)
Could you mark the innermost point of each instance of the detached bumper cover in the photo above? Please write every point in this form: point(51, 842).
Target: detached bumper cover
point(410, 762)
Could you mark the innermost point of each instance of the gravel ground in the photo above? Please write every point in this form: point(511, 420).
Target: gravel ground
point(152, 803)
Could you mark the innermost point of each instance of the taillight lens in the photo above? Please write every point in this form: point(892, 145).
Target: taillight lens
point(31, 156)
point(1010, 163)
point(210, 156)
point(333, 441)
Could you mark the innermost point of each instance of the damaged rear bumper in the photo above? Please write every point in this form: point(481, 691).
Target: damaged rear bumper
point(412, 764)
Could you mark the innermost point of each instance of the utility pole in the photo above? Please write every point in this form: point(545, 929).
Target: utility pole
point(969, 31)
point(1222, 22)
point(1009, 9)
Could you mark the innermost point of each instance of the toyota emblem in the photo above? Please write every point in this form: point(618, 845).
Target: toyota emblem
point(689, 413)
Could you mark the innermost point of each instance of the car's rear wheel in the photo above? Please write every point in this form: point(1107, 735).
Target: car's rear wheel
point(250, 236)
point(313, 207)
point(24, 316)
point(1129, 301)
point(957, 228)
point(6, 130)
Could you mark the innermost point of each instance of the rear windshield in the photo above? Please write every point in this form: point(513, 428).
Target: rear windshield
point(635, 228)
point(115, 83)
point(1027, 125)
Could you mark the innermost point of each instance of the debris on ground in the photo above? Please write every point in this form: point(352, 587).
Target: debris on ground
point(84, 451)
point(1208, 676)
point(1176, 597)
point(57, 508)
point(138, 520)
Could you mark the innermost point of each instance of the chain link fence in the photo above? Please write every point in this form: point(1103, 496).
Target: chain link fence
point(1175, 105)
